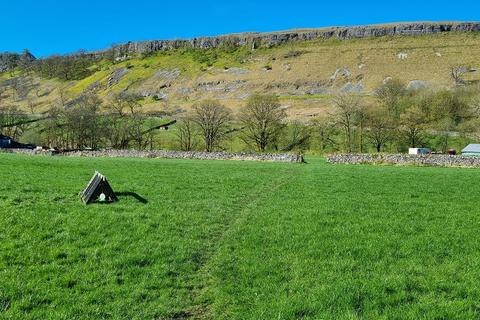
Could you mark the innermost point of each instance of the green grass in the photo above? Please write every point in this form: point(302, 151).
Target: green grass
point(82, 85)
point(238, 240)
point(306, 97)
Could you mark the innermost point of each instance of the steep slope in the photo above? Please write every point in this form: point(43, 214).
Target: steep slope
point(304, 73)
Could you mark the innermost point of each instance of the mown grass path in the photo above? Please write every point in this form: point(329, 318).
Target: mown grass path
point(238, 240)
point(243, 211)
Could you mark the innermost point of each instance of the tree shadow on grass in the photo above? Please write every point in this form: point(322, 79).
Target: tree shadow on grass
point(135, 195)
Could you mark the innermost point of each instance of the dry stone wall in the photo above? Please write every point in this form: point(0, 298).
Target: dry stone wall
point(406, 159)
point(188, 155)
point(167, 154)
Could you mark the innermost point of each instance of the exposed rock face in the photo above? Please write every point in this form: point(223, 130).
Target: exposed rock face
point(116, 76)
point(353, 87)
point(167, 75)
point(256, 40)
point(341, 73)
point(220, 86)
point(236, 71)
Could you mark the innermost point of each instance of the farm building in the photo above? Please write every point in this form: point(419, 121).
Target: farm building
point(471, 150)
point(5, 142)
point(8, 143)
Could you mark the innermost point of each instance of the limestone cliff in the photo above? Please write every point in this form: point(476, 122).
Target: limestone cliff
point(276, 38)
point(255, 39)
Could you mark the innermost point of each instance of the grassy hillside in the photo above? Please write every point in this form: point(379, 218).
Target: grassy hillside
point(299, 72)
point(237, 240)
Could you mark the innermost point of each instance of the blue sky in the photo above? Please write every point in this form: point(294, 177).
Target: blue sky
point(49, 27)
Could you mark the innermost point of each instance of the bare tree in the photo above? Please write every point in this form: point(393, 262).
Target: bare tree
point(471, 128)
point(185, 133)
point(298, 137)
point(262, 120)
point(136, 119)
point(325, 132)
point(82, 121)
point(445, 127)
point(361, 117)
point(390, 94)
point(380, 128)
point(413, 122)
point(457, 73)
point(54, 128)
point(126, 121)
point(346, 109)
point(12, 121)
point(212, 118)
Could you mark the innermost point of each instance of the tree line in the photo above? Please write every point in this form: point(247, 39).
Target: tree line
point(392, 119)
point(120, 123)
point(83, 123)
point(395, 118)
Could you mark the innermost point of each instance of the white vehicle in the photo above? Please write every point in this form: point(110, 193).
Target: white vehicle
point(419, 151)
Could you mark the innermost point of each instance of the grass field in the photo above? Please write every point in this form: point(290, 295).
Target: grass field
point(238, 240)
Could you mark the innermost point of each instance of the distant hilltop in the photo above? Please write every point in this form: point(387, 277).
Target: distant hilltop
point(256, 39)
point(270, 39)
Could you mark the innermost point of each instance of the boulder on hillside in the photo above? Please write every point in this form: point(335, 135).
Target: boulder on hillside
point(387, 80)
point(341, 73)
point(236, 71)
point(417, 85)
point(353, 87)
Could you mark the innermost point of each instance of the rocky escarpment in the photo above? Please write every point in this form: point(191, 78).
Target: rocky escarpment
point(255, 39)
point(275, 38)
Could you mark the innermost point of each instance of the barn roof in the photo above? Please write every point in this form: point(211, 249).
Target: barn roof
point(475, 148)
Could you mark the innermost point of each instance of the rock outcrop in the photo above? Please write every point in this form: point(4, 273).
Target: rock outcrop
point(417, 85)
point(255, 40)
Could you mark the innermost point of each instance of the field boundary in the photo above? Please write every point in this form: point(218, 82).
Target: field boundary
point(167, 154)
point(434, 160)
